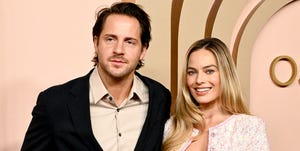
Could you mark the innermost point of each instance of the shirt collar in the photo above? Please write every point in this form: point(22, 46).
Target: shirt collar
point(98, 90)
point(140, 89)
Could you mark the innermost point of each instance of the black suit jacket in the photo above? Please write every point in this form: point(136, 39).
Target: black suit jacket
point(61, 118)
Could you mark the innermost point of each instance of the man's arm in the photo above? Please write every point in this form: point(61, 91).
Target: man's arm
point(39, 136)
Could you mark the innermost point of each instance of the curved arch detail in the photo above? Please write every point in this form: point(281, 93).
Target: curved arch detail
point(175, 19)
point(242, 22)
point(212, 17)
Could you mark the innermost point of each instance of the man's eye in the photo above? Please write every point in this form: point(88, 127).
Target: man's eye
point(131, 42)
point(109, 39)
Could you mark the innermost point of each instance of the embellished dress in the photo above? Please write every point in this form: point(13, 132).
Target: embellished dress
point(240, 132)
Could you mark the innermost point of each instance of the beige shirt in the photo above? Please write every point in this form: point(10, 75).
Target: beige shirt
point(117, 128)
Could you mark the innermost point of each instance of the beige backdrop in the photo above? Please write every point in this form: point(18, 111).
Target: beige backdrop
point(48, 42)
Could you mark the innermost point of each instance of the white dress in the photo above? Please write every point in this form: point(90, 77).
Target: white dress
point(239, 132)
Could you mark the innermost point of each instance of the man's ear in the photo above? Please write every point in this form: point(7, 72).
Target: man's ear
point(96, 41)
point(143, 54)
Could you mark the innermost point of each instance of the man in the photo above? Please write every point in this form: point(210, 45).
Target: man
point(112, 108)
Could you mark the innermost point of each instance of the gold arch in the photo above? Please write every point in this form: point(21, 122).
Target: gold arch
point(241, 28)
point(175, 19)
point(212, 17)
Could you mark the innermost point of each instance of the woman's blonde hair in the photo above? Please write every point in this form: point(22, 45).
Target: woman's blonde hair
point(187, 113)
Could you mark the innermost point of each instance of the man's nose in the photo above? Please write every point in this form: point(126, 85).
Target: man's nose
point(119, 48)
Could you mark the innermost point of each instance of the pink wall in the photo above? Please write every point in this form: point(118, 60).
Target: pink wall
point(279, 106)
point(42, 43)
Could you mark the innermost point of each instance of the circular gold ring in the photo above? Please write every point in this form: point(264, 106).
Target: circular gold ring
point(272, 70)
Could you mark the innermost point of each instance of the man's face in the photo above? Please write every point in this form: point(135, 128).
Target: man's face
point(119, 47)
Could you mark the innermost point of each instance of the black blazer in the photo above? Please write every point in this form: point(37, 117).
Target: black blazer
point(61, 118)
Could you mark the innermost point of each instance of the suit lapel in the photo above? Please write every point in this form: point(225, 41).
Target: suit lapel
point(80, 111)
point(151, 115)
point(157, 113)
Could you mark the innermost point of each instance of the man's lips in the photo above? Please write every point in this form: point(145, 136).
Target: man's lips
point(118, 60)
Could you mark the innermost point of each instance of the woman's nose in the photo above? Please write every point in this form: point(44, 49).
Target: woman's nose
point(201, 78)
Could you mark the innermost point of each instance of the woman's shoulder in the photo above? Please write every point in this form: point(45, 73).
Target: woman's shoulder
point(249, 122)
point(245, 118)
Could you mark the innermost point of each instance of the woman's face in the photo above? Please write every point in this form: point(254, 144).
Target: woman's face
point(203, 78)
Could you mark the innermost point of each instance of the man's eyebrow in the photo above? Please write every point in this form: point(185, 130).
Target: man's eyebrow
point(131, 38)
point(110, 35)
point(115, 36)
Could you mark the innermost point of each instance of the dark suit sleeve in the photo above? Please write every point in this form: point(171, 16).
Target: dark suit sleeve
point(38, 136)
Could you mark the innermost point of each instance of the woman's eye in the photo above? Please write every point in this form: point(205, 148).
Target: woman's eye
point(190, 72)
point(210, 71)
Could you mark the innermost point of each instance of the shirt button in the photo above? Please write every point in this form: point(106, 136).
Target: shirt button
point(120, 134)
point(118, 109)
point(213, 134)
point(110, 98)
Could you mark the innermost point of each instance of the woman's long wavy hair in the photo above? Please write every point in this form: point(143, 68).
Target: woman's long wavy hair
point(187, 113)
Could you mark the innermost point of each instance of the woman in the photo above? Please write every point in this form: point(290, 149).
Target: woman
point(211, 113)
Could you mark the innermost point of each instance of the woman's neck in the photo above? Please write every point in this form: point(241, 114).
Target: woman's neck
point(214, 116)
